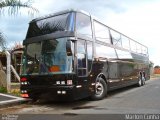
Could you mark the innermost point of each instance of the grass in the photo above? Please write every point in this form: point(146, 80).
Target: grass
point(15, 92)
point(155, 75)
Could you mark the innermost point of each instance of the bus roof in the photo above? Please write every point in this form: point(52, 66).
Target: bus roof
point(59, 13)
point(86, 13)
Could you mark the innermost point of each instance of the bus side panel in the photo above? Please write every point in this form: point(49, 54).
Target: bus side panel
point(110, 72)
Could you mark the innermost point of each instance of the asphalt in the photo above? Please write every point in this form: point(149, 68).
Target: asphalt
point(9, 100)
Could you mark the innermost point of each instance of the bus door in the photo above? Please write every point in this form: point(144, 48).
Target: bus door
point(82, 64)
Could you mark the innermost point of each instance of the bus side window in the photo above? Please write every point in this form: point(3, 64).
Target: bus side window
point(69, 48)
point(81, 58)
point(89, 55)
point(83, 25)
point(81, 55)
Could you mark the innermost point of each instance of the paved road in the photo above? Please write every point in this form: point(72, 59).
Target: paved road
point(130, 100)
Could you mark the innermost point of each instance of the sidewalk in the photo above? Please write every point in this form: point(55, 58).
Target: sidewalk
point(9, 100)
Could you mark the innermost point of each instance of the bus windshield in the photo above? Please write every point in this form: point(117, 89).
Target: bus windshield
point(63, 22)
point(48, 56)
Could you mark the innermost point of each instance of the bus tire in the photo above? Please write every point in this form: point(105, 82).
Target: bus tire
point(139, 84)
point(100, 90)
point(143, 80)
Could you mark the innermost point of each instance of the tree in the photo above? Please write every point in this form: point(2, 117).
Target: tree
point(2, 41)
point(13, 7)
point(157, 66)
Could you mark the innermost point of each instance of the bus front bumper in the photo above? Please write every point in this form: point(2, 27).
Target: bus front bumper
point(62, 93)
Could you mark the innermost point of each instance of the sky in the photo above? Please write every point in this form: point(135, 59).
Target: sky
point(138, 19)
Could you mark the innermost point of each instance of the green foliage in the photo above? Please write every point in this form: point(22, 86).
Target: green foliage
point(16, 92)
point(3, 90)
point(157, 66)
point(14, 6)
point(151, 64)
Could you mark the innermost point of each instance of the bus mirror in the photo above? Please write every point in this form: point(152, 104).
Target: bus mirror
point(68, 48)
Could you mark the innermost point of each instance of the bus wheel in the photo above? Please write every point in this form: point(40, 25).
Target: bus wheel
point(140, 82)
point(143, 80)
point(100, 90)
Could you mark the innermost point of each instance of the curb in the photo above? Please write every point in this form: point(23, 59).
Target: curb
point(154, 78)
point(14, 101)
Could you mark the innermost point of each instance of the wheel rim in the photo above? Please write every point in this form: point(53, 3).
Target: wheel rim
point(99, 89)
point(140, 82)
point(143, 79)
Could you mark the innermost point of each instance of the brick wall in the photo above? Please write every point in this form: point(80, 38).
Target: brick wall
point(156, 70)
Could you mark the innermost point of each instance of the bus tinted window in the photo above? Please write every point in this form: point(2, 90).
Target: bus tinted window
point(124, 54)
point(33, 57)
point(48, 56)
point(125, 42)
point(116, 38)
point(89, 54)
point(49, 25)
point(81, 54)
point(105, 51)
point(89, 50)
point(81, 58)
point(144, 50)
point(83, 25)
point(133, 46)
point(139, 49)
point(101, 32)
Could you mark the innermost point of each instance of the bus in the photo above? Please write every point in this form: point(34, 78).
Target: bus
point(71, 55)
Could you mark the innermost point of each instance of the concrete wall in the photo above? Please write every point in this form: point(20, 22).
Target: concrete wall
point(3, 81)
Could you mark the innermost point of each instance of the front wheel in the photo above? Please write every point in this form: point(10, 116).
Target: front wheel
point(100, 90)
point(141, 81)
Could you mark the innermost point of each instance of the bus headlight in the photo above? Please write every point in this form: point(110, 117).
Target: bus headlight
point(63, 82)
point(58, 82)
point(59, 92)
point(24, 83)
point(63, 92)
point(69, 82)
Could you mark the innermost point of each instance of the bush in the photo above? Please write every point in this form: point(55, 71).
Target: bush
point(3, 90)
point(15, 92)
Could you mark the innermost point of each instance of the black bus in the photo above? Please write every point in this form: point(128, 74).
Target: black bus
point(71, 55)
